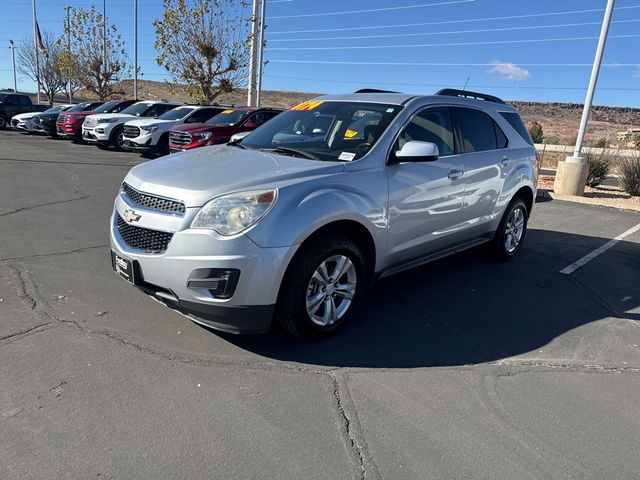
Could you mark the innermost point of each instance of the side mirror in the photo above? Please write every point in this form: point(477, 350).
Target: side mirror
point(249, 125)
point(415, 151)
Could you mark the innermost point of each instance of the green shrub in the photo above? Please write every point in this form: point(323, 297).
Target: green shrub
point(629, 170)
point(601, 143)
point(600, 165)
point(536, 132)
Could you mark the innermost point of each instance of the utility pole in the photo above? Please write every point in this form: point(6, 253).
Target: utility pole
point(571, 176)
point(35, 45)
point(253, 46)
point(135, 49)
point(13, 59)
point(263, 17)
point(69, 54)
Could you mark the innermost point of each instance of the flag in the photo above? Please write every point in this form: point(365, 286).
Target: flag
point(39, 44)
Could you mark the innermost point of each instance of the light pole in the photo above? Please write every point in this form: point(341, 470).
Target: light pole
point(263, 14)
point(35, 44)
point(135, 49)
point(253, 47)
point(13, 59)
point(571, 176)
point(69, 54)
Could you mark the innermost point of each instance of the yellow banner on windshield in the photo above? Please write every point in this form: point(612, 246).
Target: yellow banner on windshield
point(310, 105)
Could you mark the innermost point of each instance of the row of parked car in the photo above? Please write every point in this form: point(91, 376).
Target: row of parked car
point(152, 128)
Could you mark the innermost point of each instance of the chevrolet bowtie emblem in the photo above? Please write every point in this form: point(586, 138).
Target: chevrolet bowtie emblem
point(131, 216)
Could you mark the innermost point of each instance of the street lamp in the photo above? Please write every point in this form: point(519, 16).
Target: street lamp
point(13, 59)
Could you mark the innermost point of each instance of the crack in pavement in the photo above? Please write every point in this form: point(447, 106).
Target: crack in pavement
point(36, 329)
point(31, 207)
point(55, 254)
point(351, 430)
point(528, 366)
point(600, 300)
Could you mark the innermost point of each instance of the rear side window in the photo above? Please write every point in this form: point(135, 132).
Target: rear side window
point(516, 122)
point(430, 125)
point(24, 101)
point(477, 130)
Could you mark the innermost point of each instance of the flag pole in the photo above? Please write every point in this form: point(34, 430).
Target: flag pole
point(35, 45)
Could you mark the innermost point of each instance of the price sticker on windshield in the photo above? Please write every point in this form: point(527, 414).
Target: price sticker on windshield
point(306, 106)
point(226, 111)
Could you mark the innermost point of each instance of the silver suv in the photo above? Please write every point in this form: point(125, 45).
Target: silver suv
point(294, 221)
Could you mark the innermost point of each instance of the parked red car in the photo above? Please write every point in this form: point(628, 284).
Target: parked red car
point(220, 128)
point(69, 124)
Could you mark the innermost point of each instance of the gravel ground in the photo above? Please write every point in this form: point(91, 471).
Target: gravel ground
point(607, 197)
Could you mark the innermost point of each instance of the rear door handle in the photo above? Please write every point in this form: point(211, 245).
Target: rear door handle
point(455, 174)
point(505, 161)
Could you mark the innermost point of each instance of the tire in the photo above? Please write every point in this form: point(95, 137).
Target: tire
point(163, 145)
point(301, 291)
point(509, 236)
point(117, 139)
point(4, 121)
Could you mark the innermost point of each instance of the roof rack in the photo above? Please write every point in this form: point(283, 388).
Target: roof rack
point(452, 92)
point(373, 90)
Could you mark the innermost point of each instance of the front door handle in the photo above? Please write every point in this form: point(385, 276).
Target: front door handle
point(455, 174)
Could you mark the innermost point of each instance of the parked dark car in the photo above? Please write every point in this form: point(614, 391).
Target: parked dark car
point(220, 128)
point(45, 123)
point(69, 124)
point(14, 103)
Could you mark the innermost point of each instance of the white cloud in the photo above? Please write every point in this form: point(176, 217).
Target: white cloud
point(508, 71)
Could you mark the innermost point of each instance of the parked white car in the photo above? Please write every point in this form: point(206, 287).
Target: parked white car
point(106, 129)
point(21, 121)
point(151, 135)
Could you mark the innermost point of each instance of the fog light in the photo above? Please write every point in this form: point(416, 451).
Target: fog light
point(100, 130)
point(219, 282)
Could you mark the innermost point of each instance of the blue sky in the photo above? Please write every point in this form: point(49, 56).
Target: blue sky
point(517, 50)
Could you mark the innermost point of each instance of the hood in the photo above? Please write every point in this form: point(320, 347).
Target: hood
point(107, 116)
point(197, 176)
point(142, 122)
point(26, 116)
point(203, 127)
point(84, 113)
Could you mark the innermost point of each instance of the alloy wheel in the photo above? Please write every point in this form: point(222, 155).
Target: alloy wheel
point(331, 290)
point(514, 229)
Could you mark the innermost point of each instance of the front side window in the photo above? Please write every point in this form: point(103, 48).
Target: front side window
point(477, 130)
point(431, 125)
point(331, 130)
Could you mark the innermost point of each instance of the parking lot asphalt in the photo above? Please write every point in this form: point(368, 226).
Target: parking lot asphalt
point(459, 369)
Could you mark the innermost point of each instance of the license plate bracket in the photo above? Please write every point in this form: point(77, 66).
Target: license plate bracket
point(123, 267)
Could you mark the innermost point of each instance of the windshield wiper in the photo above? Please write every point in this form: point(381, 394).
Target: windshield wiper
point(292, 151)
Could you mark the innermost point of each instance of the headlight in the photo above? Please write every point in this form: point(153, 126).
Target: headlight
point(236, 212)
point(111, 120)
point(149, 128)
point(203, 136)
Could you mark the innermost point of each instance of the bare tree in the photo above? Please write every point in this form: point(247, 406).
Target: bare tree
point(204, 44)
point(87, 48)
point(51, 78)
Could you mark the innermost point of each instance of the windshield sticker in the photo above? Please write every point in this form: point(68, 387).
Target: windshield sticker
point(350, 133)
point(348, 156)
point(224, 112)
point(390, 110)
point(306, 106)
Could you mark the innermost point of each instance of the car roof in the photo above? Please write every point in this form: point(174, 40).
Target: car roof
point(386, 97)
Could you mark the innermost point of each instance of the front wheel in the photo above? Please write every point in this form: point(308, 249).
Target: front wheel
point(321, 287)
point(509, 236)
point(117, 139)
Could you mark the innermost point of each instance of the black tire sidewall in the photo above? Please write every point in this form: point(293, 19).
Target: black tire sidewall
point(291, 309)
point(4, 122)
point(115, 138)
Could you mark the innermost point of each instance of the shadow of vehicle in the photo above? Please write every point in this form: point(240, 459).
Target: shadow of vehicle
point(465, 309)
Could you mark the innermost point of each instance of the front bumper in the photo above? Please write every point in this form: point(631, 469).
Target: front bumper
point(140, 144)
point(166, 276)
point(67, 131)
point(100, 134)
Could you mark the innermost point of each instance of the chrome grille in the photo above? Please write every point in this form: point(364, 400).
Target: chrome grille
point(152, 202)
point(131, 131)
point(179, 138)
point(90, 122)
point(151, 241)
point(62, 118)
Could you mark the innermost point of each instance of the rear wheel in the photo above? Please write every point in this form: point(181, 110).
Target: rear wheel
point(509, 236)
point(117, 139)
point(3, 122)
point(321, 287)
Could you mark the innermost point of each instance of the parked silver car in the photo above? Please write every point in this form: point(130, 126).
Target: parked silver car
point(294, 221)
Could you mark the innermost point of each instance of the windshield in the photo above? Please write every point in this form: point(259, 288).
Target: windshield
point(106, 107)
point(334, 131)
point(79, 107)
point(176, 114)
point(136, 109)
point(57, 108)
point(227, 117)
